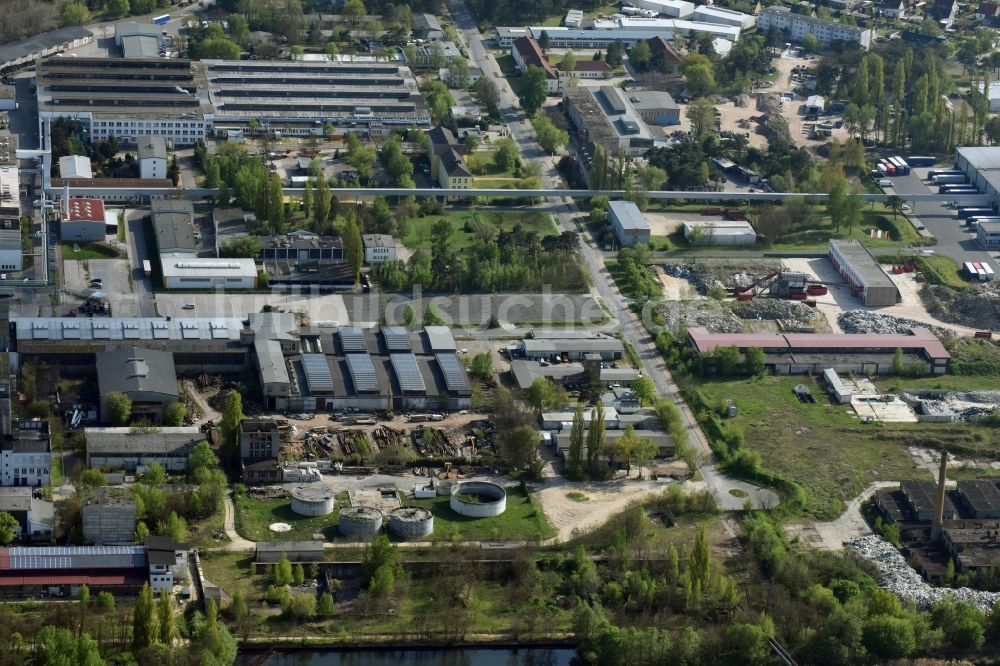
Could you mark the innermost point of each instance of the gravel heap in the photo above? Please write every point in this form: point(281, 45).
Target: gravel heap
point(790, 314)
point(724, 274)
point(706, 313)
point(976, 307)
point(863, 321)
point(970, 406)
point(897, 577)
point(769, 103)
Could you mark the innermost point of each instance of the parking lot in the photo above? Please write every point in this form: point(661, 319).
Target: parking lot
point(953, 238)
point(318, 307)
point(115, 285)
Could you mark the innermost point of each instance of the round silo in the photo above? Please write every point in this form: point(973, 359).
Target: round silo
point(312, 501)
point(411, 522)
point(362, 522)
point(478, 499)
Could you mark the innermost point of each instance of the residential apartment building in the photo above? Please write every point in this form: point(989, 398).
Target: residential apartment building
point(797, 26)
point(453, 174)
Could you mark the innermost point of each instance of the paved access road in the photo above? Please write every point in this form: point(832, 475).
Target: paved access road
point(953, 239)
point(142, 288)
point(630, 325)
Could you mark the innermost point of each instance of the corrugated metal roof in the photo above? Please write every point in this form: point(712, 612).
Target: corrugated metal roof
point(440, 338)
point(453, 371)
point(115, 328)
point(352, 339)
point(124, 578)
point(397, 338)
point(407, 373)
point(318, 375)
point(362, 373)
point(921, 338)
point(73, 557)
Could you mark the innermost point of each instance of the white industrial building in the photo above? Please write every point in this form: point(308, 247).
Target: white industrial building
point(993, 95)
point(669, 8)
point(797, 26)
point(981, 165)
point(628, 223)
point(196, 273)
point(721, 16)
point(27, 459)
point(152, 153)
point(75, 166)
point(82, 220)
point(379, 248)
point(719, 232)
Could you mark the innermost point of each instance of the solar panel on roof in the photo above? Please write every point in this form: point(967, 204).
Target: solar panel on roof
point(397, 338)
point(352, 339)
point(407, 373)
point(362, 372)
point(454, 374)
point(318, 376)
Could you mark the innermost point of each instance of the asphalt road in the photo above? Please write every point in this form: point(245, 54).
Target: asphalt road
point(953, 239)
point(629, 324)
point(142, 289)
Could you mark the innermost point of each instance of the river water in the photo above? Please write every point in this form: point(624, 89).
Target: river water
point(535, 656)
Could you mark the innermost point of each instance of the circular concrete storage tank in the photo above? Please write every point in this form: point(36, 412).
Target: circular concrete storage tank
point(411, 522)
point(360, 521)
point(478, 499)
point(307, 501)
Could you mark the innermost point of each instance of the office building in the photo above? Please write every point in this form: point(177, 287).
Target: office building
point(796, 26)
point(379, 248)
point(628, 223)
point(128, 99)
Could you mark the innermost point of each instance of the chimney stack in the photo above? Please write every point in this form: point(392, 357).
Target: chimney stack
point(938, 525)
point(65, 201)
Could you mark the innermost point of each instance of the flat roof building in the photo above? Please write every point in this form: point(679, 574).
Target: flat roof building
point(670, 8)
point(379, 248)
point(797, 353)
point(722, 16)
point(208, 273)
point(299, 98)
point(655, 107)
point(606, 117)
point(981, 164)
point(988, 235)
point(152, 155)
point(11, 250)
point(628, 223)
point(863, 272)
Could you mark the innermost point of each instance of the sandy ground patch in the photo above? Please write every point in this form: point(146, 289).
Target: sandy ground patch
point(664, 224)
point(841, 298)
point(676, 289)
point(850, 525)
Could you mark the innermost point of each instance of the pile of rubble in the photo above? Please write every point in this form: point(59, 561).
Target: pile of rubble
point(863, 321)
point(769, 103)
point(706, 275)
point(976, 307)
point(706, 313)
point(899, 578)
point(790, 315)
point(970, 406)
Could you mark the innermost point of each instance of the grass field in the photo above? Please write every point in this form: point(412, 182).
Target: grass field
point(255, 515)
point(523, 520)
point(901, 232)
point(419, 232)
point(96, 250)
point(825, 448)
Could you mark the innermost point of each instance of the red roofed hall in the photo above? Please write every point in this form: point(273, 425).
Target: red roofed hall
point(528, 53)
point(801, 353)
point(83, 220)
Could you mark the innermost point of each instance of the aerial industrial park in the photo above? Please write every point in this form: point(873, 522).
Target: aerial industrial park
point(653, 333)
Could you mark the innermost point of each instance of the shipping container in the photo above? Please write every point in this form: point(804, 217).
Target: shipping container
point(965, 213)
point(949, 179)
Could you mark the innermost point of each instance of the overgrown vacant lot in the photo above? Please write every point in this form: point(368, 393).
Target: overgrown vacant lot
point(827, 449)
point(470, 227)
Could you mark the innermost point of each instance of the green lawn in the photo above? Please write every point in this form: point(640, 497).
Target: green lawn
point(255, 515)
point(479, 224)
point(96, 250)
point(901, 232)
point(523, 520)
point(483, 163)
point(936, 268)
point(824, 446)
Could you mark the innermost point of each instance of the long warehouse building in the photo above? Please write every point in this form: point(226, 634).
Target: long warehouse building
point(300, 97)
point(863, 272)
